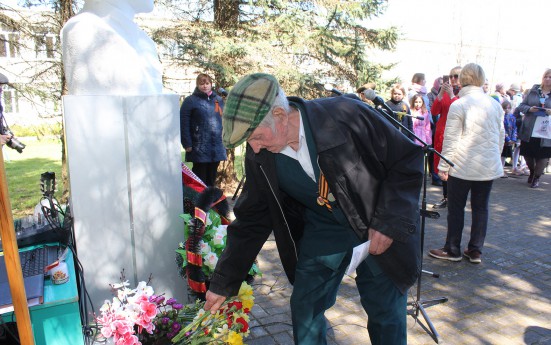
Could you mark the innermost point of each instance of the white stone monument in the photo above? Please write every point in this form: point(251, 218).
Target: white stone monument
point(123, 149)
point(105, 52)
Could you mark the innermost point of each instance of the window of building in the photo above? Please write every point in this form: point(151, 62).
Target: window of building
point(45, 45)
point(9, 99)
point(9, 44)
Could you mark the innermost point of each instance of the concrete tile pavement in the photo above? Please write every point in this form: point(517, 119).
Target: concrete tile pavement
point(504, 300)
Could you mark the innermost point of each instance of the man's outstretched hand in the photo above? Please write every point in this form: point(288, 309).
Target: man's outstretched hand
point(214, 302)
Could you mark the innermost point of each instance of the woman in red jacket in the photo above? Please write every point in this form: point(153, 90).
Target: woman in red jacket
point(441, 105)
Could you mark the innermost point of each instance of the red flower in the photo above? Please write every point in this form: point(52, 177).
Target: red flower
point(238, 305)
point(245, 327)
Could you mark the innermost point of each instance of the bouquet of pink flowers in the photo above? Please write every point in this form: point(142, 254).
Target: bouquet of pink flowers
point(138, 316)
point(130, 313)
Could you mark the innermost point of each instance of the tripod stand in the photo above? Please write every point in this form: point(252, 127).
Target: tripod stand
point(418, 305)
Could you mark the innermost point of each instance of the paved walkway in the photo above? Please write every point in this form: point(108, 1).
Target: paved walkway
point(506, 300)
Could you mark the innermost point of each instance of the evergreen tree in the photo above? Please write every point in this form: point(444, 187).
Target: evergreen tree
point(303, 43)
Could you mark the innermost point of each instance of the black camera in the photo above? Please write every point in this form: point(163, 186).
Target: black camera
point(13, 143)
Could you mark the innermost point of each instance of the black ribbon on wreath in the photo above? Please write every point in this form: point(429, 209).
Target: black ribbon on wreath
point(198, 201)
point(193, 187)
point(194, 272)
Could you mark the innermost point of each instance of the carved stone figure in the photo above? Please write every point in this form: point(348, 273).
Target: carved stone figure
point(106, 53)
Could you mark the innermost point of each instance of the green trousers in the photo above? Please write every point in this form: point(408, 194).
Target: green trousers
point(315, 290)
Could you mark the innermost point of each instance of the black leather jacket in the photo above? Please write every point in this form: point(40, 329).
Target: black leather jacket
point(374, 172)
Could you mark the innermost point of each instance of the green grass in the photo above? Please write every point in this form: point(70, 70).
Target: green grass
point(23, 172)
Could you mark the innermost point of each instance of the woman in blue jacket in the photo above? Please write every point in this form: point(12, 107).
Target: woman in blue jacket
point(201, 130)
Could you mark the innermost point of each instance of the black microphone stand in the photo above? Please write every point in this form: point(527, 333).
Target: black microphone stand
point(419, 304)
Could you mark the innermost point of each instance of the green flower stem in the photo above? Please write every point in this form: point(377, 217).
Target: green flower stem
point(197, 323)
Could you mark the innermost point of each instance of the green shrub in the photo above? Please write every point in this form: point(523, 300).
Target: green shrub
point(38, 131)
point(23, 173)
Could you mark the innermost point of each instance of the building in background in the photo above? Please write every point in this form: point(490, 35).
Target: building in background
point(500, 35)
point(32, 59)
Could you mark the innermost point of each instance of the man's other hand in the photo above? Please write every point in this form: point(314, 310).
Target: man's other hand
point(379, 242)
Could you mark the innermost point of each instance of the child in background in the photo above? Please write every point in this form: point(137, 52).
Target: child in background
point(397, 105)
point(509, 121)
point(421, 128)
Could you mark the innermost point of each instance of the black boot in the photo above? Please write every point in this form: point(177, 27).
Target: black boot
point(442, 204)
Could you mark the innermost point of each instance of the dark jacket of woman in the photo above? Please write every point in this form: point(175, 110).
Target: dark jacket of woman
point(375, 174)
point(407, 121)
point(201, 127)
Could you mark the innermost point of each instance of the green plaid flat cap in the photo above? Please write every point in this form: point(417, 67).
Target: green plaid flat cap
point(246, 106)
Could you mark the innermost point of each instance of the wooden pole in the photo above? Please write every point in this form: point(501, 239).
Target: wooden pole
point(13, 265)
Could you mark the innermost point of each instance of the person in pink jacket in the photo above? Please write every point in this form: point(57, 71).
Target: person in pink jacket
point(421, 128)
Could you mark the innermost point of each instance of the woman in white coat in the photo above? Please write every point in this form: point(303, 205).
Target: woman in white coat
point(473, 140)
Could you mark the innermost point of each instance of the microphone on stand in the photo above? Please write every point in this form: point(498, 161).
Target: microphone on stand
point(329, 87)
point(378, 101)
point(221, 91)
point(400, 113)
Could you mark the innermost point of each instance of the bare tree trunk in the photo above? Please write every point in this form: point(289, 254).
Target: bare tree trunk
point(226, 14)
point(226, 18)
point(66, 12)
point(227, 177)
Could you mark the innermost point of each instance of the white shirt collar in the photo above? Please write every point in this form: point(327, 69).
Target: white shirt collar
point(302, 155)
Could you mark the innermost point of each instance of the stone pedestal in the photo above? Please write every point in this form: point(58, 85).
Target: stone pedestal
point(126, 190)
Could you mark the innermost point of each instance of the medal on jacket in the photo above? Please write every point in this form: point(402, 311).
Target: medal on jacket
point(217, 108)
point(324, 197)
